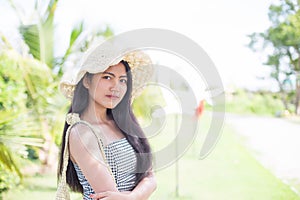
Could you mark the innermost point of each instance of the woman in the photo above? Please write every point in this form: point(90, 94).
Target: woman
point(102, 102)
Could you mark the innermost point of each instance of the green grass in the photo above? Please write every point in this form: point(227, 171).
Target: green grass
point(229, 172)
point(37, 187)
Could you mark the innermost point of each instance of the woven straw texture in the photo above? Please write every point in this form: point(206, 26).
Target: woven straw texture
point(104, 56)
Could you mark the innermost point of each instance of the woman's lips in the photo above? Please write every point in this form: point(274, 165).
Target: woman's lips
point(112, 96)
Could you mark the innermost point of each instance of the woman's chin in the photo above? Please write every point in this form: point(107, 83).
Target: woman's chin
point(112, 105)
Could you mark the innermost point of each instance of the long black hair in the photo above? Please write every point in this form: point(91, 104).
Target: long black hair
point(124, 118)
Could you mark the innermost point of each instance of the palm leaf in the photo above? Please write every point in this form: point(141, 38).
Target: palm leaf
point(31, 37)
point(74, 37)
point(7, 160)
point(39, 36)
point(15, 135)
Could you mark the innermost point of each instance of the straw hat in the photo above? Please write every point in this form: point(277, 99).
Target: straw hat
point(101, 57)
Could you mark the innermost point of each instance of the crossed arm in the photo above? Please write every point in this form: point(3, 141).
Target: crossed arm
point(141, 192)
point(84, 151)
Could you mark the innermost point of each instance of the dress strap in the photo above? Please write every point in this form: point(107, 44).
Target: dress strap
point(72, 119)
point(100, 145)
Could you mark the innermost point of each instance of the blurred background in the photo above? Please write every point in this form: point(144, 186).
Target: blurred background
point(255, 46)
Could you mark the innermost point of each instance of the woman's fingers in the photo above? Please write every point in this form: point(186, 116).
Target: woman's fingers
point(99, 195)
point(109, 195)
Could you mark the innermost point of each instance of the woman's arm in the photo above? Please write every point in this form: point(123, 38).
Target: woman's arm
point(145, 188)
point(141, 192)
point(84, 151)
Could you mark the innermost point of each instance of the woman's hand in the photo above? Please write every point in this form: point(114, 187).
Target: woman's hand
point(141, 192)
point(109, 195)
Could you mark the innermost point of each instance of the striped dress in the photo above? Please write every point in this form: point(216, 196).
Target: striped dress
point(122, 161)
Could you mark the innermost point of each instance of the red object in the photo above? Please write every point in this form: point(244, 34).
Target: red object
point(200, 109)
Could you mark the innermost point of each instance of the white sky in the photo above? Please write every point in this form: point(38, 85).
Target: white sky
point(220, 27)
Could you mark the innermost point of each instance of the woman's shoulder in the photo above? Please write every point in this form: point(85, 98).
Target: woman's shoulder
point(83, 142)
point(80, 127)
point(83, 133)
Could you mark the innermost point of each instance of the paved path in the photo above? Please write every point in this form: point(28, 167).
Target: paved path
point(274, 142)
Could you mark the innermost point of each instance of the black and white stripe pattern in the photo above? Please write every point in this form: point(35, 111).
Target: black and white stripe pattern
point(122, 161)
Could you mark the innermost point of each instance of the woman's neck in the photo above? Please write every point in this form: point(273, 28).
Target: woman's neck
point(94, 114)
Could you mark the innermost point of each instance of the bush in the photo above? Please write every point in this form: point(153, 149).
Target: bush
point(150, 99)
point(261, 103)
point(8, 180)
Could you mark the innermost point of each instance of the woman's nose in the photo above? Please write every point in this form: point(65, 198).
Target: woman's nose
point(115, 85)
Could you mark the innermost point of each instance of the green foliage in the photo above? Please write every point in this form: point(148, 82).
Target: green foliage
point(8, 180)
point(144, 105)
point(229, 172)
point(32, 153)
point(282, 41)
point(261, 103)
point(22, 83)
point(31, 108)
point(39, 36)
point(35, 81)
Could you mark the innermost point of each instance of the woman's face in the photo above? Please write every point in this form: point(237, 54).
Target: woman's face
point(108, 88)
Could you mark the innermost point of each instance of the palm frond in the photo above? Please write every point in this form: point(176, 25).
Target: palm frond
point(7, 160)
point(39, 35)
point(31, 37)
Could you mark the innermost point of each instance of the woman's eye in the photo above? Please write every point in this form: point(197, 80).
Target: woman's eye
point(123, 81)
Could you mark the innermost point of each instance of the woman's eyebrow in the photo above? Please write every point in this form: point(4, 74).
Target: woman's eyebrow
point(109, 73)
point(124, 76)
point(112, 74)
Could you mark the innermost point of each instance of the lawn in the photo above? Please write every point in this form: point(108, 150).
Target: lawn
point(229, 172)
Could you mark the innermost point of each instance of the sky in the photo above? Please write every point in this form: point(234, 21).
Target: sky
point(219, 27)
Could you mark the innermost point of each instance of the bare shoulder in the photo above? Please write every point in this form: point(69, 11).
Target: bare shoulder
point(81, 131)
point(82, 141)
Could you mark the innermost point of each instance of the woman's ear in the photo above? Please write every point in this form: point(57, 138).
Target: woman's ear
point(86, 82)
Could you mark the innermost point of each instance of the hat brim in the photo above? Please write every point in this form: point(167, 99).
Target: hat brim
point(139, 62)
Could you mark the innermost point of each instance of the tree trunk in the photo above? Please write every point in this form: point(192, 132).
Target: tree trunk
point(283, 94)
point(284, 100)
point(297, 107)
point(49, 152)
point(297, 70)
